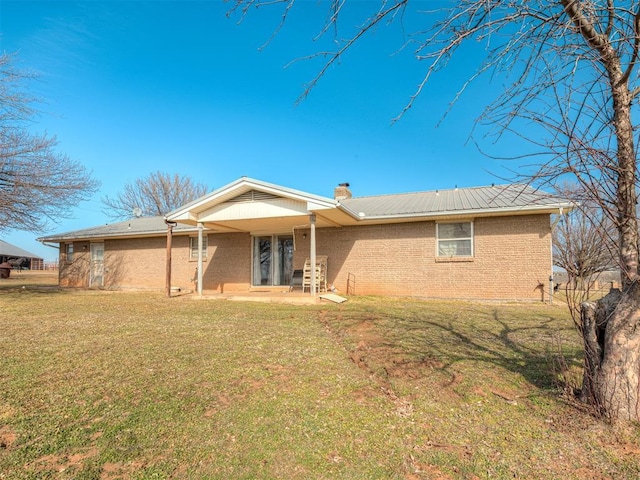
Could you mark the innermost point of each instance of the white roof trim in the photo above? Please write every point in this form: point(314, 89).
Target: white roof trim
point(192, 211)
point(467, 213)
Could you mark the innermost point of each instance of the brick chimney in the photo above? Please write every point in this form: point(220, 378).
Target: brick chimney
point(341, 192)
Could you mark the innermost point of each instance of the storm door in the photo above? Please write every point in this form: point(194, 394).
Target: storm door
point(96, 278)
point(272, 260)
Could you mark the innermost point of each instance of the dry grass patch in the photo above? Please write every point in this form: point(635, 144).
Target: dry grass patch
point(29, 279)
point(101, 385)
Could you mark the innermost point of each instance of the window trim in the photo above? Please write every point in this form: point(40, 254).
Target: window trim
point(455, 257)
point(193, 247)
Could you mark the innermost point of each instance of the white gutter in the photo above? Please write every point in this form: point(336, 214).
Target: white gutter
point(459, 213)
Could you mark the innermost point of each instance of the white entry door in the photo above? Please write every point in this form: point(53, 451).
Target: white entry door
point(97, 265)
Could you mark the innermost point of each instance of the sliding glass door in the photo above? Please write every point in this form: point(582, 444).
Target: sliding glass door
point(272, 260)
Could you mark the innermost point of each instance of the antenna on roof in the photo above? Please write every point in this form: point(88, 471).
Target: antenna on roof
point(137, 212)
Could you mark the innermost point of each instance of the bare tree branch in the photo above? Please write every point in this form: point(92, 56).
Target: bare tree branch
point(156, 194)
point(570, 90)
point(38, 185)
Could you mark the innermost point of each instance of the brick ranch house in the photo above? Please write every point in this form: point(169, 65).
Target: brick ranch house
point(473, 243)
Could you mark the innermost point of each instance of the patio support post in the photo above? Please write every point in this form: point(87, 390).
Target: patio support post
point(170, 226)
point(312, 247)
point(200, 228)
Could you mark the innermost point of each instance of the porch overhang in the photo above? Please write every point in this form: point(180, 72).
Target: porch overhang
point(257, 207)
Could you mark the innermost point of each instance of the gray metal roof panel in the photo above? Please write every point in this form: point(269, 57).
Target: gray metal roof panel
point(504, 197)
point(131, 227)
point(467, 201)
point(9, 250)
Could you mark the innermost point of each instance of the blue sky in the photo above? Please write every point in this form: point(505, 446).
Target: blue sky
point(132, 87)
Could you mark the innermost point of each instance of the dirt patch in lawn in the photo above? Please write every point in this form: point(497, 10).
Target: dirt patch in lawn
point(7, 438)
point(62, 463)
point(383, 362)
point(379, 357)
point(119, 470)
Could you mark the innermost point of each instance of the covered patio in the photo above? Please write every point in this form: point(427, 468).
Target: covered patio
point(270, 214)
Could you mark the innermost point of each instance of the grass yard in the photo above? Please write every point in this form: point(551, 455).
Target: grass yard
point(103, 385)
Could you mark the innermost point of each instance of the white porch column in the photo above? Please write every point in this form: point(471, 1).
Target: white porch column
point(312, 248)
point(200, 228)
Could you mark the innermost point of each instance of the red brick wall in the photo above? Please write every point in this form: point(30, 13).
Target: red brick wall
point(228, 268)
point(512, 260)
point(141, 264)
point(74, 272)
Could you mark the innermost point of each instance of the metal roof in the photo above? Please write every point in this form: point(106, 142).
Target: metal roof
point(459, 201)
point(9, 250)
point(134, 227)
point(472, 202)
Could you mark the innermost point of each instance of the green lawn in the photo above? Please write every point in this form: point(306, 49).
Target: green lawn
point(99, 385)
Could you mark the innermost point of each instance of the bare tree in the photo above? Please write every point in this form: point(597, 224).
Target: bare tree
point(156, 194)
point(571, 87)
point(37, 183)
point(584, 246)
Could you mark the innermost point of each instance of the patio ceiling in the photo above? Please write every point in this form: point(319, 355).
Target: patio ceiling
point(270, 225)
point(272, 217)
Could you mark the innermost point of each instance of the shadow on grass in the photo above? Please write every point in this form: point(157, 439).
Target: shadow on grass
point(415, 342)
point(31, 283)
point(528, 350)
point(28, 289)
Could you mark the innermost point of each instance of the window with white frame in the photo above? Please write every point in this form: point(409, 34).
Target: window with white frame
point(193, 247)
point(454, 239)
point(68, 252)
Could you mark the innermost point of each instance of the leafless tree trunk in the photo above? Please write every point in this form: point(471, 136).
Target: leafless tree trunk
point(616, 366)
point(571, 90)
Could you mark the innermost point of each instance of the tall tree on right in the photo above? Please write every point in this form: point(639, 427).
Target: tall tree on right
point(571, 88)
